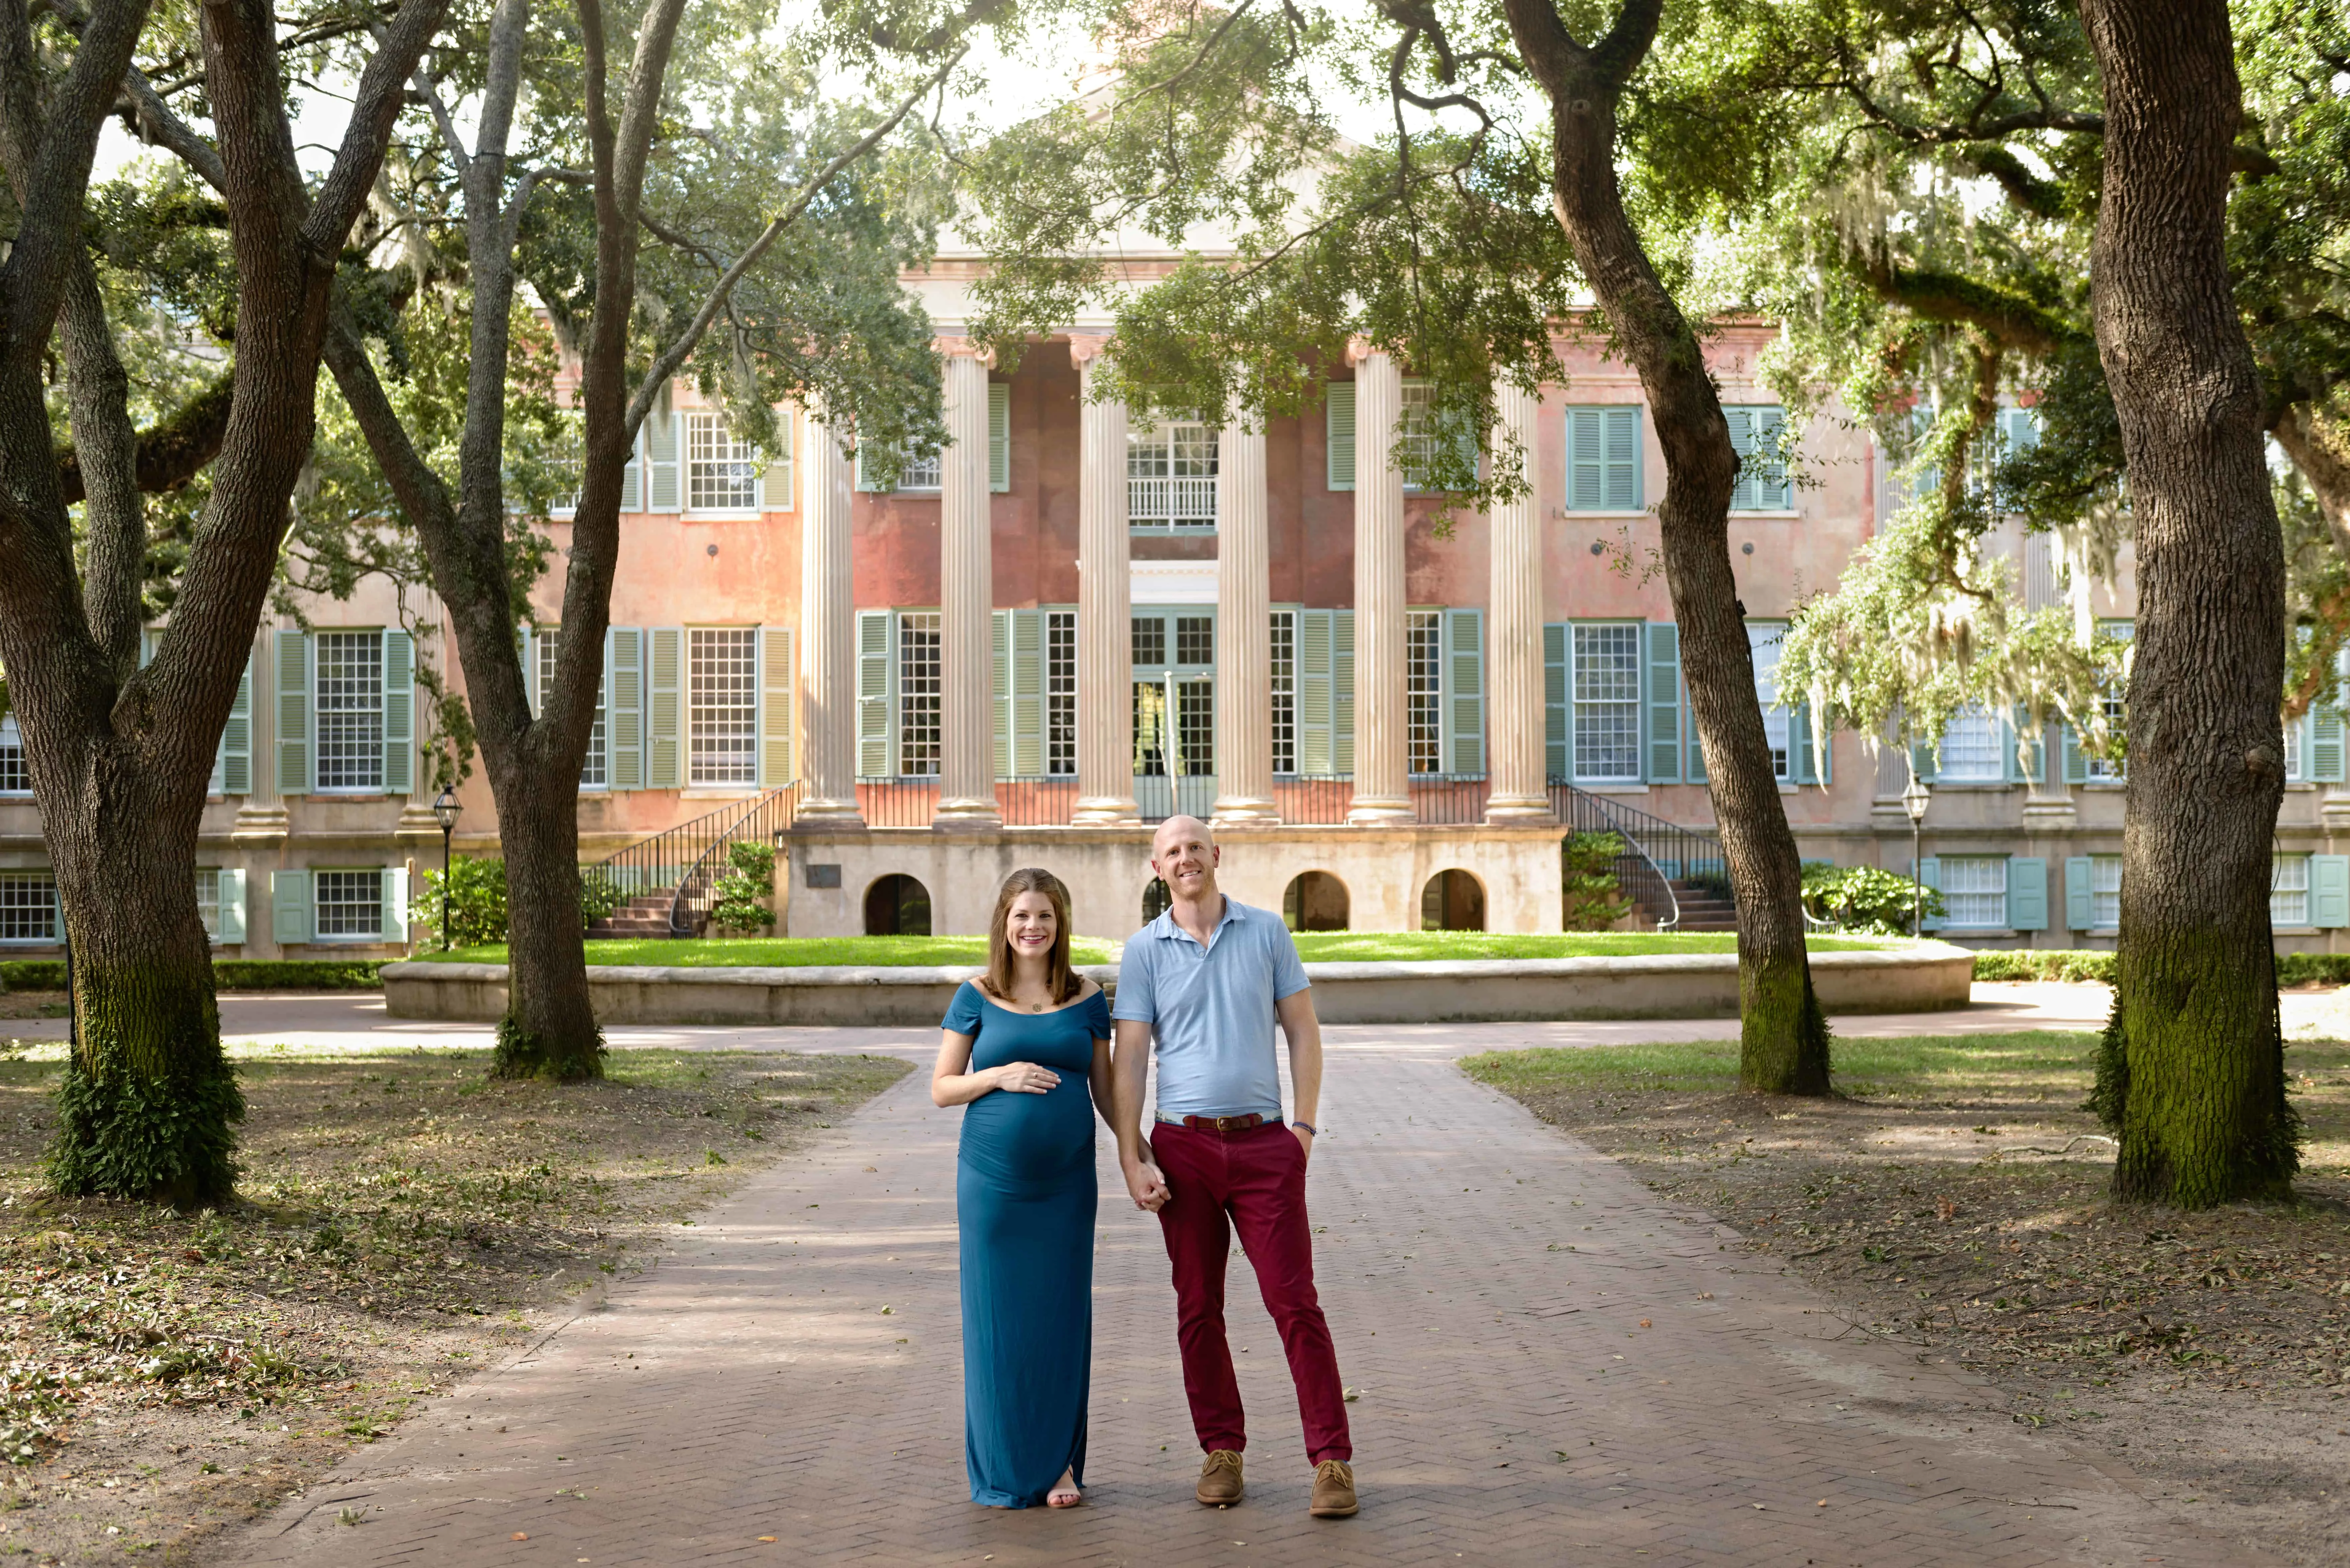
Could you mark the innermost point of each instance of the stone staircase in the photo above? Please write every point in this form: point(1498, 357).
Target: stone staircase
point(1704, 907)
point(642, 916)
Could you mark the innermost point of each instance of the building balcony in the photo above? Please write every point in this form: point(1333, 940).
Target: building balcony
point(1447, 800)
point(1180, 503)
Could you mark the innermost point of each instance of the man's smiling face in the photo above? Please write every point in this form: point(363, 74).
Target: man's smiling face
point(1184, 855)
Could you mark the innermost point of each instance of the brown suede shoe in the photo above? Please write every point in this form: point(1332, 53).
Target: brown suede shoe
point(1333, 1491)
point(1219, 1480)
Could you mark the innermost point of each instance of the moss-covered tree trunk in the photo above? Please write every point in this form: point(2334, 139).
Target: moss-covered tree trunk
point(2193, 1077)
point(549, 1030)
point(1783, 1035)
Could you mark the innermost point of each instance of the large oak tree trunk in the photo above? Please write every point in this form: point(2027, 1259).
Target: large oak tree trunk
point(1783, 1035)
point(549, 1030)
point(2193, 1076)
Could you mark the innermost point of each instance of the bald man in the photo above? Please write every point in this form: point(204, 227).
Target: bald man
point(1206, 982)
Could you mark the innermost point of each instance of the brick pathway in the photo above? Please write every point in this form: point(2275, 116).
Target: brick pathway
point(1554, 1367)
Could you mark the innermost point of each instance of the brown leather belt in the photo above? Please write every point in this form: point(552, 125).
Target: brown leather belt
point(1248, 1123)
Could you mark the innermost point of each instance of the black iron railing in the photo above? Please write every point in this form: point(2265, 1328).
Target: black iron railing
point(1655, 854)
point(763, 822)
point(1450, 800)
point(907, 801)
point(668, 860)
point(1313, 799)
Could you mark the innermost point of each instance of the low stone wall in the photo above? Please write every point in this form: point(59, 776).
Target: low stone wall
point(1919, 978)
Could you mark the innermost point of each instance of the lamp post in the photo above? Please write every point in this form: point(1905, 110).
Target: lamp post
point(445, 812)
point(1915, 797)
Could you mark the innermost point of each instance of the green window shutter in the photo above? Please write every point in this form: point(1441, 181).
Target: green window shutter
point(1314, 700)
point(1558, 736)
point(1664, 696)
point(775, 487)
point(863, 483)
point(774, 706)
point(1921, 760)
point(624, 661)
point(873, 694)
point(1464, 691)
point(999, 436)
point(293, 713)
point(2022, 431)
point(1742, 441)
point(660, 452)
point(2329, 891)
point(395, 905)
point(1586, 466)
point(232, 905)
point(1027, 693)
point(289, 907)
point(2080, 903)
point(633, 477)
point(233, 762)
point(1342, 692)
point(1930, 872)
point(2325, 742)
point(1000, 687)
point(2077, 762)
point(2016, 728)
point(398, 713)
point(1773, 491)
point(1623, 459)
point(1802, 759)
point(1338, 421)
point(2027, 893)
point(664, 669)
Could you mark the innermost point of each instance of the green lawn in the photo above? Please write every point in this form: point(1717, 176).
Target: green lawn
point(1339, 947)
point(784, 952)
point(1928, 1065)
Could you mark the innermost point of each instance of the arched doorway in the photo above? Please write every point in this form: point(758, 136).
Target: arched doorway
point(1155, 900)
point(897, 906)
point(1453, 901)
point(1315, 901)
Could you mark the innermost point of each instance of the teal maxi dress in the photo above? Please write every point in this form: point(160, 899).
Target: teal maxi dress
point(1024, 1200)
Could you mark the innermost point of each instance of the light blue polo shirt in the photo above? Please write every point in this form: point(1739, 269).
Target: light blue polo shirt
point(1211, 1009)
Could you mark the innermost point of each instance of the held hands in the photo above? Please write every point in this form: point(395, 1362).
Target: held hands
point(1146, 1184)
point(1024, 1078)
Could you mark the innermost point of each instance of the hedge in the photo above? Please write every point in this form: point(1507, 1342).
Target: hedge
point(229, 974)
point(2061, 964)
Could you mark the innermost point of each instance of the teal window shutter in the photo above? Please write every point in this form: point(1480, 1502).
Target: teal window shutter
point(1342, 692)
point(398, 713)
point(1742, 441)
point(1929, 873)
point(633, 477)
point(999, 688)
point(1338, 421)
point(775, 691)
point(664, 695)
point(232, 905)
point(2079, 904)
point(1464, 691)
point(661, 448)
point(232, 761)
point(1664, 702)
point(863, 483)
point(1921, 760)
point(2023, 429)
point(2076, 761)
point(1028, 693)
point(1808, 764)
point(1623, 459)
point(2027, 893)
point(2326, 741)
point(293, 713)
point(873, 644)
point(395, 905)
point(1558, 736)
point(1315, 691)
point(624, 658)
point(999, 436)
point(289, 907)
point(776, 485)
point(1763, 485)
point(2329, 891)
point(1586, 465)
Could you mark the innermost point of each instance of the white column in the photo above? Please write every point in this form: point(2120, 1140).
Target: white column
point(1382, 761)
point(1513, 633)
point(966, 602)
point(1244, 626)
point(827, 631)
point(1105, 604)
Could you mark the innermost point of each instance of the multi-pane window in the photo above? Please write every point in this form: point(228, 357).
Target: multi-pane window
point(569, 466)
point(1762, 646)
point(1150, 737)
point(915, 472)
point(722, 472)
point(1974, 891)
point(1195, 731)
point(351, 710)
point(350, 905)
point(208, 900)
point(13, 779)
point(1424, 689)
point(1419, 437)
point(2107, 770)
point(1285, 692)
point(1170, 475)
point(722, 704)
point(918, 694)
point(2289, 890)
point(1607, 702)
point(2105, 892)
point(28, 907)
point(1195, 639)
point(1974, 747)
point(1061, 693)
point(592, 775)
point(1149, 642)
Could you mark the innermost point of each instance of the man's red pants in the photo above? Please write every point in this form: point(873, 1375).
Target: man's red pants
point(1258, 1178)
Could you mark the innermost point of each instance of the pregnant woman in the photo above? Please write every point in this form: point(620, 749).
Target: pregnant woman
point(1026, 1048)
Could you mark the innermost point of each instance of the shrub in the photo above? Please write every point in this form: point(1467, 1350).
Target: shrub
point(598, 895)
point(2050, 963)
point(744, 889)
point(1864, 899)
point(477, 902)
point(228, 974)
point(1594, 897)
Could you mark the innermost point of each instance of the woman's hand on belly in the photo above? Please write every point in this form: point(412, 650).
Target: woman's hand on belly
point(1025, 1078)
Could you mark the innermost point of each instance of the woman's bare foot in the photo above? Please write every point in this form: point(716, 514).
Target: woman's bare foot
point(1065, 1492)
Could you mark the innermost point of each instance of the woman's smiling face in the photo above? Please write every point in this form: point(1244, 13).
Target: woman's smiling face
point(1030, 925)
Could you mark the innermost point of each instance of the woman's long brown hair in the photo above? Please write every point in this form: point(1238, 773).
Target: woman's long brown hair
point(1060, 981)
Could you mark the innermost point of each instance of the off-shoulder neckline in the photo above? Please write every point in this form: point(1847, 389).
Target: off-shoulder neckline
point(1079, 1000)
